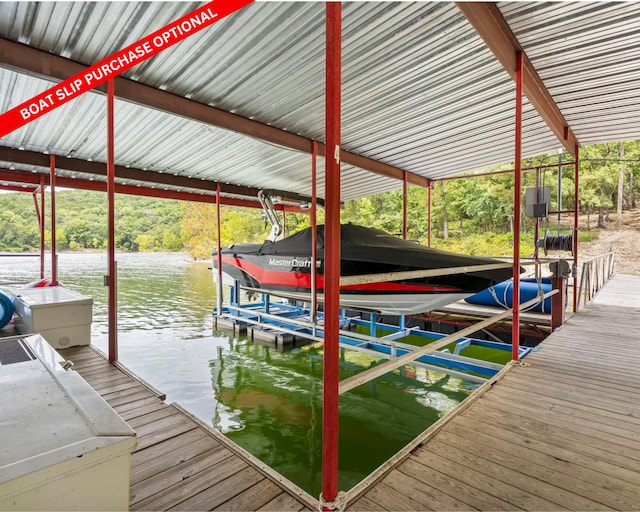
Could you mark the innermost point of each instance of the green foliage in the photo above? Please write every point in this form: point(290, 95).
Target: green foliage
point(148, 224)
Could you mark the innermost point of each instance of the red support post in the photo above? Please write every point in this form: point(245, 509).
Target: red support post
point(219, 254)
point(405, 186)
point(111, 244)
point(330, 417)
point(313, 219)
point(576, 214)
point(429, 200)
point(515, 328)
point(40, 216)
point(54, 256)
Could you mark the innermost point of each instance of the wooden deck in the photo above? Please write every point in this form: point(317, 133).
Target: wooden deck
point(561, 431)
point(180, 464)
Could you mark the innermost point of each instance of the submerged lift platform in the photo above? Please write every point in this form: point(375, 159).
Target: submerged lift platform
point(283, 325)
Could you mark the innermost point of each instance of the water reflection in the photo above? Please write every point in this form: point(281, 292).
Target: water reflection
point(271, 404)
point(268, 402)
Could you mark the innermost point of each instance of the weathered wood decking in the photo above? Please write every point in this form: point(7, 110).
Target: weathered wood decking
point(560, 432)
point(178, 463)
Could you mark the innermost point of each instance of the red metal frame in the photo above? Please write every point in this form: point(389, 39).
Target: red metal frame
point(111, 244)
point(405, 185)
point(515, 332)
point(314, 235)
point(330, 417)
point(42, 225)
point(54, 256)
point(576, 215)
point(429, 200)
point(219, 247)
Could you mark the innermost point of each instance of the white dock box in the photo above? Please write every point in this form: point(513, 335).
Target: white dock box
point(62, 316)
point(63, 447)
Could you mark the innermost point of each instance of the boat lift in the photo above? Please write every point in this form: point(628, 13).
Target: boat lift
point(282, 324)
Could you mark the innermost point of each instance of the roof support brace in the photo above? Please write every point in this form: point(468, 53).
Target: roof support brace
point(487, 20)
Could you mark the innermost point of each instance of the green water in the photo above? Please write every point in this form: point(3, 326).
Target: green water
point(268, 402)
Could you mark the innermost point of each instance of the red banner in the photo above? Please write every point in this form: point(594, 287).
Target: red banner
point(117, 63)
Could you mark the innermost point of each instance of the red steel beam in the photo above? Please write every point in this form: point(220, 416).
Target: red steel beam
point(100, 169)
point(54, 256)
point(32, 61)
point(515, 327)
point(101, 186)
point(17, 188)
point(487, 20)
point(111, 244)
point(331, 375)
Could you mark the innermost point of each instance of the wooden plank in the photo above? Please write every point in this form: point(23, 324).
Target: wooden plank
point(173, 495)
point(564, 443)
point(283, 503)
point(135, 404)
point(362, 504)
point(166, 428)
point(144, 468)
point(561, 488)
point(165, 490)
point(388, 498)
point(475, 498)
point(477, 477)
point(623, 425)
point(252, 498)
point(212, 497)
point(429, 497)
point(574, 478)
point(154, 453)
point(152, 417)
point(135, 396)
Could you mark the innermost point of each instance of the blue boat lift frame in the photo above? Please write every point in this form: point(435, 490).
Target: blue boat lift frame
point(294, 319)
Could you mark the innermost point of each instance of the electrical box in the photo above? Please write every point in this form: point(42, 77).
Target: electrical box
point(62, 316)
point(63, 447)
point(537, 201)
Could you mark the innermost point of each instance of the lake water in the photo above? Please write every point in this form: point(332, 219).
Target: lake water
point(266, 401)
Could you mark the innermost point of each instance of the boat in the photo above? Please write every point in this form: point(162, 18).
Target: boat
point(283, 268)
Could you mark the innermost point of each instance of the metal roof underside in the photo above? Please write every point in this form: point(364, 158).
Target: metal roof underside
point(421, 90)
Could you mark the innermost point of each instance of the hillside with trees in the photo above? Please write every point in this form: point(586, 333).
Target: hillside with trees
point(469, 215)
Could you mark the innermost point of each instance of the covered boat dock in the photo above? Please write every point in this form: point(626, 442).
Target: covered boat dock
point(429, 91)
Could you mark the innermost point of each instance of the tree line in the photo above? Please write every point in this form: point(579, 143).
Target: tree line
point(470, 215)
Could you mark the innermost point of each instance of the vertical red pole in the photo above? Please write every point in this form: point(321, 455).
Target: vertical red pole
point(576, 215)
point(332, 253)
point(111, 244)
point(40, 215)
point(314, 235)
point(54, 256)
point(219, 255)
point(515, 330)
point(42, 226)
point(429, 200)
point(405, 185)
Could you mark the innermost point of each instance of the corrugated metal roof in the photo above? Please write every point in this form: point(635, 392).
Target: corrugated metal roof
point(587, 54)
point(421, 91)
